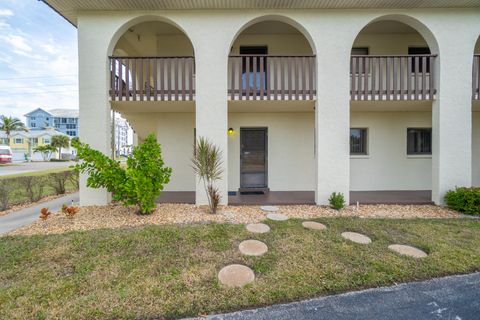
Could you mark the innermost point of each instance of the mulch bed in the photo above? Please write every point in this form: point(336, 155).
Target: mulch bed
point(117, 216)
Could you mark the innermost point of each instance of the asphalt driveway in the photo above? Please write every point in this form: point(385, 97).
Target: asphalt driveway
point(452, 298)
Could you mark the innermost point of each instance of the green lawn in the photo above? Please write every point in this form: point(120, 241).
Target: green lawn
point(35, 173)
point(170, 271)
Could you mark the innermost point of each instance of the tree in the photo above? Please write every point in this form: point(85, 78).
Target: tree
point(206, 163)
point(46, 151)
point(9, 124)
point(140, 183)
point(59, 142)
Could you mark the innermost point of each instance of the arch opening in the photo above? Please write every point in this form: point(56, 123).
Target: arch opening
point(393, 84)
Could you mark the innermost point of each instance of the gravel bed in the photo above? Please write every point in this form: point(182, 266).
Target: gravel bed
point(17, 207)
point(117, 216)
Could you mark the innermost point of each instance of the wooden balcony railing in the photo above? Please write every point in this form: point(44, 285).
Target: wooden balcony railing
point(476, 77)
point(395, 77)
point(152, 78)
point(271, 77)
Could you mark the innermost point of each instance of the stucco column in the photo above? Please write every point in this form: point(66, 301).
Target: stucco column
point(211, 110)
point(332, 121)
point(452, 118)
point(95, 126)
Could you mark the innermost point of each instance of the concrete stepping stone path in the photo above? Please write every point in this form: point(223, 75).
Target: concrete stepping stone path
point(269, 208)
point(408, 251)
point(356, 237)
point(258, 227)
point(236, 275)
point(277, 217)
point(253, 248)
point(314, 225)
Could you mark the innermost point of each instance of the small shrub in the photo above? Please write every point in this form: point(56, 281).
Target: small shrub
point(337, 200)
point(58, 181)
point(70, 211)
point(32, 187)
point(74, 179)
point(5, 190)
point(140, 183)
point(466, 200)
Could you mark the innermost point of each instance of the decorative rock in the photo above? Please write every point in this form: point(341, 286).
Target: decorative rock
point(356, 237)
point(277, 217)
point(253, 248)
point(408, 251)
point(269, 208)
point(258, 227)
point(236, 275)
point(314, 225)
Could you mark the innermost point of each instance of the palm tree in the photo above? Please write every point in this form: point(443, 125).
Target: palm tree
point(60, 141)
point(9, 124)
point(207, 164)
point(46, 151)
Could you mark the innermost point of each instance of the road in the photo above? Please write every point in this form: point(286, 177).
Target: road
point(452, 298)
point(26, 216)
point(24, 167)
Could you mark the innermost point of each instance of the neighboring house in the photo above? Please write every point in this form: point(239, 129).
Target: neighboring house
point(321, 96)
point(64, 120)
point(23, 143)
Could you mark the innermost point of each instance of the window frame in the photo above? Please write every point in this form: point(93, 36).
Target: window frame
point(418, 153)
point(365, 137)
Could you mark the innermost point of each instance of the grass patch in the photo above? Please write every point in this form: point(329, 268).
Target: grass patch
point(171, 271)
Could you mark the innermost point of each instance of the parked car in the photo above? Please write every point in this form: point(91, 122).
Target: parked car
point(5, 154)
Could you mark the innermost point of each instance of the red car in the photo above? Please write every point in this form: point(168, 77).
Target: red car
point(5, 154)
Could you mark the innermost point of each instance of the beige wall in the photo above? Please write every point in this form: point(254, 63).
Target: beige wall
point(387, 166)
point(277, 43)
point(291, 159)
point(389, 43)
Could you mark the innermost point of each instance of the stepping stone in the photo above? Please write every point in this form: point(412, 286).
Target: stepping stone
point(408, 251)
point(356, 237)
point(277, 217)
point(236, 275)
point(253, 248)
point(269, 208)
point(258, 227)
point(314, 225)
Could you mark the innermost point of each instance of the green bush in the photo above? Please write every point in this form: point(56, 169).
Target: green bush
point(32, 186)
point(59, 180)
point(466, 200)
point(140, 183)
point(5, 191)
point(337, 200)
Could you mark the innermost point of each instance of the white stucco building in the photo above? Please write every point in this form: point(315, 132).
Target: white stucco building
point(320, 96)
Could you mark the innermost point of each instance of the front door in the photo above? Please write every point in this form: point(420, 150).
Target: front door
point(253, 158)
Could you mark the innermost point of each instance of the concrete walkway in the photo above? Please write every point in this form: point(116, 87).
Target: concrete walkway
point(453, 298)
point(26, 216)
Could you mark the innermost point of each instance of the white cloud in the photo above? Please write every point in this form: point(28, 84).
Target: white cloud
point(18, 43)
point(6, 13)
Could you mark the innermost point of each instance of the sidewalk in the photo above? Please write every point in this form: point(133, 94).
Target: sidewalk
point(26, 216)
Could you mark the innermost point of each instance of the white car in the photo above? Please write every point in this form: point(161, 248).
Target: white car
point(5, 154)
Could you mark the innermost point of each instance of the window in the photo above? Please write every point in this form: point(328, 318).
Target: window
point(18, 140)
point(417, 51)
point(358, 141)
point(360, 51)
point(64, 120)
point(33, 124)
point(71, 133)
point(46, 141)
point(32, 118)
point(71, 126)
point(419, 141)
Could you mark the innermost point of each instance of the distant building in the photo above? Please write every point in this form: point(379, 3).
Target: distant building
point(121, 137)
point(23, 143)
point(63, 120)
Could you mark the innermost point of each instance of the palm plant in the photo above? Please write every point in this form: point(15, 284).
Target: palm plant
point(207, 164)
point(59, 142)
point(9, 124)
point(46, 151)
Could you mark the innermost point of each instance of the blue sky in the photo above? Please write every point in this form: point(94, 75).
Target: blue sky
point(38, 58)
